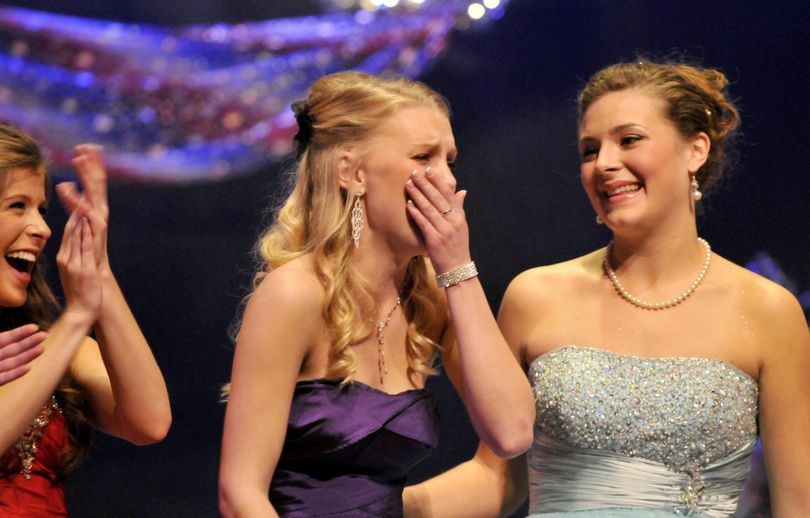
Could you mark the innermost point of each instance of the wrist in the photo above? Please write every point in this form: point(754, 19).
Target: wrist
point(461, 273)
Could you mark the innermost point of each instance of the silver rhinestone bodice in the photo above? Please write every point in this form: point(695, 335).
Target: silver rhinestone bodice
point(685, 413)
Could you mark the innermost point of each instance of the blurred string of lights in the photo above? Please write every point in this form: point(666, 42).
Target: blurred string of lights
point(200, 102)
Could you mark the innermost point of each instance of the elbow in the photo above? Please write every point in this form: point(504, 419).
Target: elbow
point(228, 499)
point(513, 441)
point(152, 431)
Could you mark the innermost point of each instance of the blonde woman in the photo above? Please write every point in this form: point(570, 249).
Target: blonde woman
point(327, 408)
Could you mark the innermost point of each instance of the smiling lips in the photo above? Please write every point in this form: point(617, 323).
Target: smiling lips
point(22, 262)
point(626, 190)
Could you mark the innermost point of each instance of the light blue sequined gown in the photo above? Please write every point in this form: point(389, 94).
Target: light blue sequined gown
point(624, 436)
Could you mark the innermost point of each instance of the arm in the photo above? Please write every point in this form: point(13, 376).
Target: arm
point(785, 405)
point(119, 373)
point(23, 397)
point(17, 348)
point(276, 333)
point(491, 485)
point(500, 407)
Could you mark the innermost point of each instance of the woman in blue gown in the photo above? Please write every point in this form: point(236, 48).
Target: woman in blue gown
point(655, 363)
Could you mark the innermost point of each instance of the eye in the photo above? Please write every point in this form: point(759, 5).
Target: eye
point(589, 153)
point(43, 210)
point(629, 140)
point(422, 157)
point(17, 205)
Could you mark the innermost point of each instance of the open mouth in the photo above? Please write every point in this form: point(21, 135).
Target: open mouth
point(21, 261)
point(624, 191)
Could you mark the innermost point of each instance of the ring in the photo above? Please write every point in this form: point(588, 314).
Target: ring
point(446, 211)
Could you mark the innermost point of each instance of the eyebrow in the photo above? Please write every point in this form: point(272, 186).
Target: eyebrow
point(614, 130)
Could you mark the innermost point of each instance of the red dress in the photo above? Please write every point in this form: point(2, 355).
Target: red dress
point(43, 494)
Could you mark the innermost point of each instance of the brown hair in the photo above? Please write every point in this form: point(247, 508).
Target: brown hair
point(695, 101)
point(19, 151)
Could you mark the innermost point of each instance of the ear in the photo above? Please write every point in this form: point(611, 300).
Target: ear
point(698, 149)
point(351, 175)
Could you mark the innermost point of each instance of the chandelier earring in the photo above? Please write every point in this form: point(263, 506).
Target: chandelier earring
point(696, 194)
point(357, 218)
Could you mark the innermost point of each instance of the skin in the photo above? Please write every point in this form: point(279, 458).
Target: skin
point(734, 316)
point(389, 169)
point(118, 373)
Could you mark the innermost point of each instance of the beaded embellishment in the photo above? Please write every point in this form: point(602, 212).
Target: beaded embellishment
point(27, 444)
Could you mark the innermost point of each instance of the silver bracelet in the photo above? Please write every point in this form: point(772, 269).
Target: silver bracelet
point(456, 275)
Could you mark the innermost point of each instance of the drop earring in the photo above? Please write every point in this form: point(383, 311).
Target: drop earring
point(696, 194)
point(357, 219)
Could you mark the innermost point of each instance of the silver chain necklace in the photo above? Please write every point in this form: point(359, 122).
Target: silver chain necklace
point(381, 325)
point(626, 295)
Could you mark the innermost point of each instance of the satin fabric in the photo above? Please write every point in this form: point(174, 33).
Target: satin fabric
point(43, 495)
point(348, 449)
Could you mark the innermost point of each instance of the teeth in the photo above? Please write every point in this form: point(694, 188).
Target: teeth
point(25, 256)
point(624, 188)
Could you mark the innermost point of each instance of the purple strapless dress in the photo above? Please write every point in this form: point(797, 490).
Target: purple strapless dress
point(348, 450)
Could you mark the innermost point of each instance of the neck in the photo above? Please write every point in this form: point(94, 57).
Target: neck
point(657, 258)
point(384, 271)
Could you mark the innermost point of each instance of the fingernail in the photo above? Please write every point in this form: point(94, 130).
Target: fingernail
point(409, 183)
point(427, 171)
point(414, 173)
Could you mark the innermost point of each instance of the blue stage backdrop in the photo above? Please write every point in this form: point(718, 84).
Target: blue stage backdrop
point(190, 98)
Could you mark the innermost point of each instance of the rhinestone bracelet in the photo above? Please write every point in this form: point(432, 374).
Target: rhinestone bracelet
point(456, 275)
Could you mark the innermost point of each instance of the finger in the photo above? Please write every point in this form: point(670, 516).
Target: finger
point(429, 209)
point(15, 335)
point(63, 256)
point(444, 184)
point(22, 358)
point(424, 182)
point(88, 257)
point(92, 173)
point(13, 374)
point(69, 196)
point(427, 228)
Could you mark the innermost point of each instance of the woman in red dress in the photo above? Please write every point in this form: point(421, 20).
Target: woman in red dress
point(111, 383)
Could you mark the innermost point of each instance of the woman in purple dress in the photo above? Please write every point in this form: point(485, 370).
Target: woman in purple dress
point(327, 408)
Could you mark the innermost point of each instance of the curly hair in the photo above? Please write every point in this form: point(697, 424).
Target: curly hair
point(695, 101)
point(19, 151)
point(345, 108)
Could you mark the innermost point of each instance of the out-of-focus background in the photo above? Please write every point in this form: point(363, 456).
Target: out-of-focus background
point(190, 99)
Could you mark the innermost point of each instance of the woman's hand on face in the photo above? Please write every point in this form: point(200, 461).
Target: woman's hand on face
point(78, 268)
point(18, 347)
point(438, 210)
point(92, 202)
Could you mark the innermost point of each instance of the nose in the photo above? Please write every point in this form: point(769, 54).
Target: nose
point(38, 227)
point(607, 159)
point(443, 171)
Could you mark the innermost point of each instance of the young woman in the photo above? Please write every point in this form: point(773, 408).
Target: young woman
point(327, 408)
point(655, 362)
point(113, 383)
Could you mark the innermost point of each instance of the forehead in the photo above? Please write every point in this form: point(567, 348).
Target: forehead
point(417, 124)
point(629, 106)
point(23, 181)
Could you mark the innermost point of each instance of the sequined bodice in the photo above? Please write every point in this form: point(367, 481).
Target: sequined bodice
point(681, 412)
point(616, 431)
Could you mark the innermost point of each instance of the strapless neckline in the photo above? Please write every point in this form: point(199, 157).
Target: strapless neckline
point(335, 383)
point(646, 358)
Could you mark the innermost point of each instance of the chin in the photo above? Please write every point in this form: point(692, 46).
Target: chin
point(13, 300)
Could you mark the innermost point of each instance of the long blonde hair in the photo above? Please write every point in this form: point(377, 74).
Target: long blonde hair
point(344, 109)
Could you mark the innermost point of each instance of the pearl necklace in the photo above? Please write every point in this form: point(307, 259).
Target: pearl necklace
point(381, 325)
point(626, 295)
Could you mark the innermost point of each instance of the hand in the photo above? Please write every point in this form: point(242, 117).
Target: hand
point(17, 348)
point(78, 268)
point(438, 210)
point(92, 203)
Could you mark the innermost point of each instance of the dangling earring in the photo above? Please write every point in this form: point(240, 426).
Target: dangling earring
point(357, 219)
point(599, 220)
point(696, 194)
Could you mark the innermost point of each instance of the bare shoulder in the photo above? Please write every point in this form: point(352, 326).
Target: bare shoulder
point(775, 310)
point(285, 306)
point(546, 284)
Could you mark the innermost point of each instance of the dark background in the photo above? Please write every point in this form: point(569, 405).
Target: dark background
point(182, 254)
